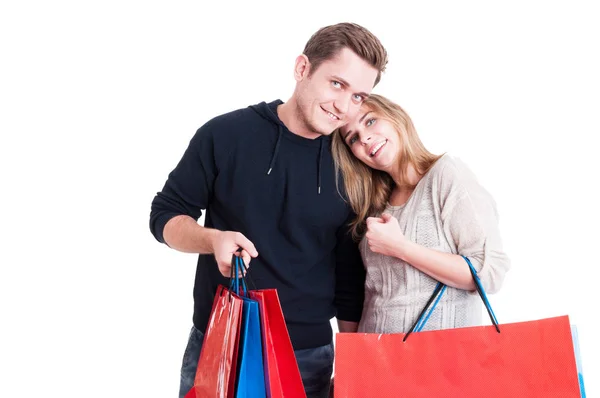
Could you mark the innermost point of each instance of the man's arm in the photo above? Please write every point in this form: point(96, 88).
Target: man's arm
point(184, 234)
point(347, 327)
point(188, 190)
point(350, 281)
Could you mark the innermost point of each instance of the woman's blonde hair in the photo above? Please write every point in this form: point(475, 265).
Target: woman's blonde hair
point(368, 190)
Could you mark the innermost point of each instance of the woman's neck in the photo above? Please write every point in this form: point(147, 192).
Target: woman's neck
point(412, 178)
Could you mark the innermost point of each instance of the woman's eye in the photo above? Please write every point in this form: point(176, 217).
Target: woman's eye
point(352, 139)
point(370, 122)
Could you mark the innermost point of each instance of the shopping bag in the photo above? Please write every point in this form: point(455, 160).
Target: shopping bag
point(524, 359)
point(250, 376)
point(578, 361)
point(282, 376)
point(215, 376)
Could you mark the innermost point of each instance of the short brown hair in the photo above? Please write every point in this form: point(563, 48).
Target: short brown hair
point(328, 41)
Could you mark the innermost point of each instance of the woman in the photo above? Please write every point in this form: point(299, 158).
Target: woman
point(417, 213)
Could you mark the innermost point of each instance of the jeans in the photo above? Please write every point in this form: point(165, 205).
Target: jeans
point(315, 364)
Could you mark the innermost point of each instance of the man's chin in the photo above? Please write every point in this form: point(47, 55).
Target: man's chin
point(329, 128)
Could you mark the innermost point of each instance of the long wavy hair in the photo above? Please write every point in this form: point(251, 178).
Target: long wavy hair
point(368, 190)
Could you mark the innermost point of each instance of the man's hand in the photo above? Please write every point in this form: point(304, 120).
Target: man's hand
point(227, 243)
point(347, 326)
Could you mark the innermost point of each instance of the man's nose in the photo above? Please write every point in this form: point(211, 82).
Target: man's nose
point(342, 103)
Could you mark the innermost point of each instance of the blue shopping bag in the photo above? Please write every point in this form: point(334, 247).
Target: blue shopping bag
point(578, 359)
point(250, 381)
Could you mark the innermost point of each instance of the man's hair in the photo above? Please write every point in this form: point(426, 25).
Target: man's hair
point(327, 42)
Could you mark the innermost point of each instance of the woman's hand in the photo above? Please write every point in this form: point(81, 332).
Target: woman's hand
point(384, 235)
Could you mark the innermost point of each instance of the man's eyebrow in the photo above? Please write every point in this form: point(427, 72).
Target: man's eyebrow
point(345, 83)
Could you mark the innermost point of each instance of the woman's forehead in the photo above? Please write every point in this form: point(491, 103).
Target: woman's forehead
point(359, 118)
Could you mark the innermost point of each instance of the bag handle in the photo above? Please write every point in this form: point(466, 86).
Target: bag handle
point(437, 295)
point(237, 283)
point(246, 273)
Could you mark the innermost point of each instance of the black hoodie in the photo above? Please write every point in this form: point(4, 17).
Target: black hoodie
point(254, 176)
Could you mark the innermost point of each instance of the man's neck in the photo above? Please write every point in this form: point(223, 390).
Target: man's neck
point(288, 114)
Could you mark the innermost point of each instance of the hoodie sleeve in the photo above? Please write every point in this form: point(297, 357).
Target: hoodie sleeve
point(188, 189)
point(350, 277)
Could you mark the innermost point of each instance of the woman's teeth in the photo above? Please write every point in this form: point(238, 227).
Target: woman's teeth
point(378, 147)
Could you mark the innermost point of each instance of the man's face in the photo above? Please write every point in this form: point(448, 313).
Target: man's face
point(333, 93)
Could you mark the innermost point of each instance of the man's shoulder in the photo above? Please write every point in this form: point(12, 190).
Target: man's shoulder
point(234, 122)
point(232, 118)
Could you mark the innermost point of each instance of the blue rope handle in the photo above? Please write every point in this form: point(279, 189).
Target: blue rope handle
point(238, 269)
point(439, 291)
point(421, 324)
point(482, 294)
point(234, 281)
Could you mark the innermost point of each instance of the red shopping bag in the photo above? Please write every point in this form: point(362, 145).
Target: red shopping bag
point(215, 376)
point(527, 359)
point(524, 359)
point(282, 376)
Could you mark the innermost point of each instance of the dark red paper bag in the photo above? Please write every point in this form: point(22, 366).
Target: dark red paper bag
point(526, 359)
point(215, 376)
point(282, 376)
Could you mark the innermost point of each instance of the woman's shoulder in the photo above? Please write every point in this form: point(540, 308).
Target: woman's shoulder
point(450, 171)
point(447, 165)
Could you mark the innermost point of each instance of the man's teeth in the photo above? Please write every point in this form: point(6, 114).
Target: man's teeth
point(334, 117)
point(378, 147)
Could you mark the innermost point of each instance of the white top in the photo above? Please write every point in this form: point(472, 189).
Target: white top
point(450, 212)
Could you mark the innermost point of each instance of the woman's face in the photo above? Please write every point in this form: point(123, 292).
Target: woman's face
point(374, 141)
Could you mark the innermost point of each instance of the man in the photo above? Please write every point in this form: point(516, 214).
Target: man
point(266, 177)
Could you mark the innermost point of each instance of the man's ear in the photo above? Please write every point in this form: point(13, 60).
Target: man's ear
point(301, 68)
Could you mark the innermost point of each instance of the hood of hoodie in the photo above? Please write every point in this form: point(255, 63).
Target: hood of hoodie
point(269, 112)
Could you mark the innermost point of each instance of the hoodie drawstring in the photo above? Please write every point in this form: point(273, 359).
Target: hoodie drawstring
point(319, 167)
point(276, 151)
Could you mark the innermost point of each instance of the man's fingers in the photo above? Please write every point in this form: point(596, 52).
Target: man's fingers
point(225, 268)
point(245, 244)
point(246, 257)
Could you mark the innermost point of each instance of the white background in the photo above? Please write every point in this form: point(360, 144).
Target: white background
point(98, 101)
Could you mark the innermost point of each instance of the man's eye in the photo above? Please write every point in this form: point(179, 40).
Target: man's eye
point(358, 98)
point(336, 84)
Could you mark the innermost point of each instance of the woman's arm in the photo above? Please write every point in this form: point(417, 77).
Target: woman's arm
point(385, 237)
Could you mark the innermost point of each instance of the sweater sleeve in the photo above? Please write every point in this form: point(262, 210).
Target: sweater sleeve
point(350, 277)
point(188, 189)
point(470, 220)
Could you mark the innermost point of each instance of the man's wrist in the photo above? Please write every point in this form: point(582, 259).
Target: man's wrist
point(214, 236)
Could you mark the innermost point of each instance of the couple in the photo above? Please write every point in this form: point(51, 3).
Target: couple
point(333, 201)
